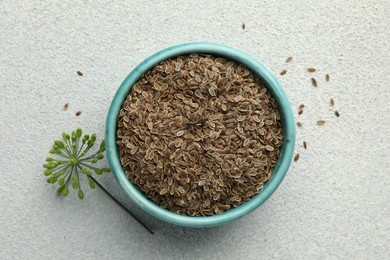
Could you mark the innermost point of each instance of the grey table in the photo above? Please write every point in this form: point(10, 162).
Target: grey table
point(333, 203)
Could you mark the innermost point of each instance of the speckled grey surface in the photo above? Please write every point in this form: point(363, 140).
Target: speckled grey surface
point(333, 203)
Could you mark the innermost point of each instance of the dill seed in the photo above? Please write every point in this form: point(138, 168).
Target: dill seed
point(311, 69)
point(241, 118)
point(321, 122)
point(305, 144)
point(300, 124)
point(79, 73)
point(337, 113)
point(301, 106)
point(182, 122)
point(66, 106)
point(331, 102)
point(283, 72)
point(296, 157)
point(180, 133)
point(314, 82)
point(300, 112)
point(327, 77)
point(212, 92)
point(78, 113)
point(289, 59)
point(243, 26)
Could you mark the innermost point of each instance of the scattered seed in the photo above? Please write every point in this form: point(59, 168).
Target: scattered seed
point(314, 82)
point(305, 144)
point(300, 112)
point(296, 157)
point(66, 106)
point(337, 113)
point(331, 102)
point(321, 122)
point(78, 113)
point(243, 26)
point(327, 77)
point(299, 124)
point(311, 69)
point(283, 72)
point(79, 73)
point(301, 106)
point(289, 59)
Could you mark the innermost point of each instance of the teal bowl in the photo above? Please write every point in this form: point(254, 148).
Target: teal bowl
point(279, 170)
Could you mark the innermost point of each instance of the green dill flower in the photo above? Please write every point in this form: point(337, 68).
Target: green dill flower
point(74, 162)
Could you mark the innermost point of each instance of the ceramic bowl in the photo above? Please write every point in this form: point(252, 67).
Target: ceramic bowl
point(279, 170)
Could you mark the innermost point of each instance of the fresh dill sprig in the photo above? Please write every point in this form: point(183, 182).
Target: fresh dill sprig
point(74, 162)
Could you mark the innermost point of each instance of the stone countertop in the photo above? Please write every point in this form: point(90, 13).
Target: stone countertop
point(333, 203)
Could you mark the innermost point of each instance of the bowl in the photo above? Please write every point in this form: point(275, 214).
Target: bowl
point(278, 172)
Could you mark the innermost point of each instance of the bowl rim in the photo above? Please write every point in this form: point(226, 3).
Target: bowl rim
point(279, 170)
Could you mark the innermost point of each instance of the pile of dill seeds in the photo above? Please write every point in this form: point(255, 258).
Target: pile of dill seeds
point(199, 134)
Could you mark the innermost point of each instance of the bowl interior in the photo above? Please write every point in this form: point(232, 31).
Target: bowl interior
point(279, 170)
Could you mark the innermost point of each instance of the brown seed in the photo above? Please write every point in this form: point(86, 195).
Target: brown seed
point(194, 105)
point(201, 182)
point(198, 94)
point(311, 69)
point(305, 144)
point(331, 102)
point(327, 77)
point(214, 117)
point(289, 59)
point(321, 122)
point(164, 191)
point(179, 96)
point(241, 118)
point(301, 106)
point(283, 72)
point(134, 150)
point(212, 92)
point(300, 112)
point(314, 82)
point(296, 157)
point(180, 133)
point(337, 113)
point(243, 26)
point(78, 113)
point(79, 73)
point(66, 106)
point(299, 124)
point(256, 118)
